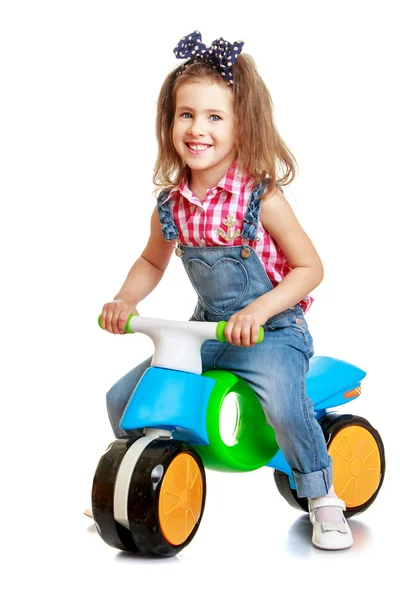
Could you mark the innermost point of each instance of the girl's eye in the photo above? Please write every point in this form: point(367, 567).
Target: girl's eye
point(213, 117)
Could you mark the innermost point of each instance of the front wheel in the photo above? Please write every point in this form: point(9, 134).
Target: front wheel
point(358, 460)
point(103, 495)
point(166, 497)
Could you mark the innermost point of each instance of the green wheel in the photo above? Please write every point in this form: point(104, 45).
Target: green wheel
point(254, 442)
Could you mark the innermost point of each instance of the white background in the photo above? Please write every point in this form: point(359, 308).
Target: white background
point(79, 83)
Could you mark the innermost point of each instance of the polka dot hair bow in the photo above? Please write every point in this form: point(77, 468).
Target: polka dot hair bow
point(220, 55)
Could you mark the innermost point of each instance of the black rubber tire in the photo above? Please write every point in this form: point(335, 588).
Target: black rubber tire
point(112, 532)
point(331, 424)
point(290, 495)
point(144, 492)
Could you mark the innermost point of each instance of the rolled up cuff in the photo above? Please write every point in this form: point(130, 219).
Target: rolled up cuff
point(313, 485)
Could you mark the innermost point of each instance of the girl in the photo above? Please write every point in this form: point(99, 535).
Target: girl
point(221, 206)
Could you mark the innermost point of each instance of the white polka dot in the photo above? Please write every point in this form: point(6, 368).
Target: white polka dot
point(235, 48)
point(236, 55)
point(193, 52)
point(229, 64)
point(196, 47)
point(190, 37)
point(202, 51)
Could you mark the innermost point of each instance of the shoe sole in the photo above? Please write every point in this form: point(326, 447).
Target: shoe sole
point(332, 547)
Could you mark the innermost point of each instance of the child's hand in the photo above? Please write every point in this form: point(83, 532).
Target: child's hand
point(115, 315)
point(243, 327)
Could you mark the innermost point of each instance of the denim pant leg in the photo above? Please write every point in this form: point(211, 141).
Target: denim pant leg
point(118, 396)
point(276, 371)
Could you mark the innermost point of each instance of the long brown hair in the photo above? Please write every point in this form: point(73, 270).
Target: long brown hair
point(261, 153)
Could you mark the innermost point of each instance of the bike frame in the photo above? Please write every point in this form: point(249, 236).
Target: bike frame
point(175, 399)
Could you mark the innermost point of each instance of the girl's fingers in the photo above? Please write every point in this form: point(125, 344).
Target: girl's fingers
point(227, 332)
point(107, 316)
point(123, 317)
point(111, 318)
point(115, 320)
point(254, 334)
point(104, 318)
point(245, 336)
point(236, 335)
point(115, 315)
point(232, 332)
point(240, 333)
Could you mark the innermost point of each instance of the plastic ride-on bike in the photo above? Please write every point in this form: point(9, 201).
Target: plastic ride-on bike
point(149, 487)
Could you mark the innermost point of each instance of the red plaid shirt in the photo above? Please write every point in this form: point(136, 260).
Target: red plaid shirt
point(198, 222)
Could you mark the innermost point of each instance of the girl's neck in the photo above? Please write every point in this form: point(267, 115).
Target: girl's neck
point(197, 179)
point(200, 182)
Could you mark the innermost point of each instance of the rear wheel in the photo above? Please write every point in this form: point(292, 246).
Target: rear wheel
point(358, 459)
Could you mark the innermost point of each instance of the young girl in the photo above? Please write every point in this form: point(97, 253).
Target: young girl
point(222, 208)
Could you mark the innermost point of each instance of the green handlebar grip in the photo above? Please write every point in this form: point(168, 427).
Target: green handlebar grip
point(221, 336)
point(127, 328)
point(127, 324)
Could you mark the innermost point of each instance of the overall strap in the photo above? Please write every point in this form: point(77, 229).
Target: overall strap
point(168, 227)
point(250, 222)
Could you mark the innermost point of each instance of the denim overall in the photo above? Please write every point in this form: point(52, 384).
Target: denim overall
point(226, 279)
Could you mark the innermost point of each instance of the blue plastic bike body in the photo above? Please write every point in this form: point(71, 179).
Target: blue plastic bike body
point(177, 400)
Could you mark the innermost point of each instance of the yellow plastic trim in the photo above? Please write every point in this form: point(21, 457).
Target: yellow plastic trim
point(181, 498)
point(356, 465)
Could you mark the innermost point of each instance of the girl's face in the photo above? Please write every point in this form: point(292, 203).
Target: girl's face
point(203, 129)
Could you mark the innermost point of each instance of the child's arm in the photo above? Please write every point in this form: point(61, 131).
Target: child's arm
point(278, 218)
point(143, 277)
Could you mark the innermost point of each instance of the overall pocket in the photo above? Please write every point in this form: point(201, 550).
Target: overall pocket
point(293, 324)
point(221, 286)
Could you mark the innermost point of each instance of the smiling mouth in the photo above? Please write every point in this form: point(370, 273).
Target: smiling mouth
point(197, 148)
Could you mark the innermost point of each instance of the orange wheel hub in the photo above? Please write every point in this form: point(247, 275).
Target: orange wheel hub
point(356, 465)
point(181, 498)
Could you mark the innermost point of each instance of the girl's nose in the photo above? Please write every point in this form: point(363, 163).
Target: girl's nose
point(196, 129)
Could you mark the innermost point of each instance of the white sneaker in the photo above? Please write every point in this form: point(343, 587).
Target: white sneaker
point(88, 512)
point(326, 535)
